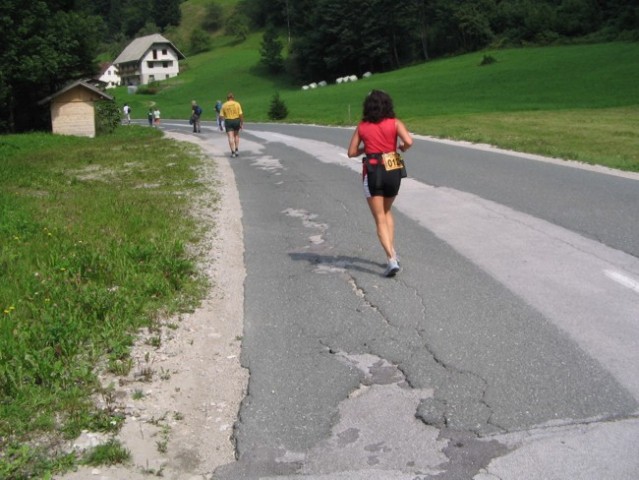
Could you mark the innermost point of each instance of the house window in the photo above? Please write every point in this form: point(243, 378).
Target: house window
point(155, 54)
point(165, 51)
point(151, 78)
point(165, 64)
point(149, 64)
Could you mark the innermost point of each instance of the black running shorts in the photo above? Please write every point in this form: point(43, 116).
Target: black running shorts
point(232, 125)
point(379, 182)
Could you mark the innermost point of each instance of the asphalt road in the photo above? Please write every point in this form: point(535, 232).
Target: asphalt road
point(506, 348)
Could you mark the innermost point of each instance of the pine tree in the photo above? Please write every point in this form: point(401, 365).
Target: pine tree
point(271, 51)
point(278, 110)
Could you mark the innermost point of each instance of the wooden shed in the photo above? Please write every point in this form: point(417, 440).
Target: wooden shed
point(73, 109)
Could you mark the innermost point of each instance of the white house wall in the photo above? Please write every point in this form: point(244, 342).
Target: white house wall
point(159, 66)
point(111, 77)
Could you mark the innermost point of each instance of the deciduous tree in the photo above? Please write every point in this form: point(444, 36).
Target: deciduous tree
point(41, 48)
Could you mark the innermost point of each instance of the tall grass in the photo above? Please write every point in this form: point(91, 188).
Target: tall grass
point(552, 89)
point(94, 243)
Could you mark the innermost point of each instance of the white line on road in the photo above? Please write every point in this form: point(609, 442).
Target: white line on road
point(622, 279)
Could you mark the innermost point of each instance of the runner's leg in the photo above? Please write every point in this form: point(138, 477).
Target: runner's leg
point(231, 137)
point(380, 208)
point(390, 221)
point(236, 134)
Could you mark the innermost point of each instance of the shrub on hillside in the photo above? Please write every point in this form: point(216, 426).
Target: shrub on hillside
point(199, 41)
point(487, 60)
point(149, 89)
point(213, 18)
point(237, 26)
point(107, 117)
point(278, 109)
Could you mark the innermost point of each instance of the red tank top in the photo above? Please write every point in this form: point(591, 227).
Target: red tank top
point(378, 137)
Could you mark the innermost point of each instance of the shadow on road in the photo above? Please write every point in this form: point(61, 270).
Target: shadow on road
point(332, 263)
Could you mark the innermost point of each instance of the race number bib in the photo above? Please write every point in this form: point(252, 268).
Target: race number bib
point(392, 161)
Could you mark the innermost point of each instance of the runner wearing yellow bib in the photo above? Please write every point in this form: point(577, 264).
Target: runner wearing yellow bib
point(233, 118)
point(378, 136)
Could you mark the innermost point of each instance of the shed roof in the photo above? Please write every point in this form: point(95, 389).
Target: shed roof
point(138, 47)
point(72, 85)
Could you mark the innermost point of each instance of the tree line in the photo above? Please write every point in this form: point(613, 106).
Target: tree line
point(46, 43)
point(327, 39)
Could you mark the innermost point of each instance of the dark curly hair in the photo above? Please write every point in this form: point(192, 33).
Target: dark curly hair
point(378, 105)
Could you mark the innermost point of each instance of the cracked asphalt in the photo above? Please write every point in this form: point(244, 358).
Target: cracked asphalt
point(505, 348)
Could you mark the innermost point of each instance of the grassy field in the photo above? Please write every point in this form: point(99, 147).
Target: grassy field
point(577, 102)
point(95, 241)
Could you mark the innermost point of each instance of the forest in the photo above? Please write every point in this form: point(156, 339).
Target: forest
point(47, 43)
point(332, 38)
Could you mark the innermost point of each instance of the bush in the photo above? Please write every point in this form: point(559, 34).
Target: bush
point(487, 60)
point(107, 117)
point(237, 25)
point(213, 19)
point(277, 110)
point(199, 41)
point(149, 89)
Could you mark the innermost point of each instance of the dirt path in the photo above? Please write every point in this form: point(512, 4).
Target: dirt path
point(181, 398)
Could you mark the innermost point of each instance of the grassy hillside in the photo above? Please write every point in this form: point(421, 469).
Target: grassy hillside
point(193, 11)
point(579, 102)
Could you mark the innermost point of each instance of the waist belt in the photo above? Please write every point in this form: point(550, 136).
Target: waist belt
point(380, 158)
point(370, 168)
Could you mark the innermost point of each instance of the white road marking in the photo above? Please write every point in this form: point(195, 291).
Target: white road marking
point(622, 279)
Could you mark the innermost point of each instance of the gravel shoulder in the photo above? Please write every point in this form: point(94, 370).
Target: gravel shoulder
point(182, 398)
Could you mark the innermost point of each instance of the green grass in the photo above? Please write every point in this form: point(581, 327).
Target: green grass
point(595, 136)
point(530, 99)
point(192, 13)
point(111, 453)
point(95, 235)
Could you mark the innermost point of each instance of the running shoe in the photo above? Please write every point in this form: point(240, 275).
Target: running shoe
point(392, 268)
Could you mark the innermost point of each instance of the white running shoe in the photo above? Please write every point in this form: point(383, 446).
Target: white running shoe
point(392, 268)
